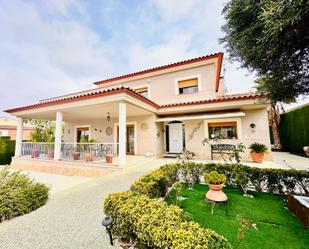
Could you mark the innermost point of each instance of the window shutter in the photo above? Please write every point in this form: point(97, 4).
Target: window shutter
point(187, 83)
point(140, 90)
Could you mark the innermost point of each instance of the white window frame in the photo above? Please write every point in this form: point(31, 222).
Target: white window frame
point(4, 133)
point(219, 120)
point(142, 86)
point(81, 126)
point(199, 83)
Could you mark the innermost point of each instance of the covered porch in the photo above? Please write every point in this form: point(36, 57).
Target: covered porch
point(99, 131)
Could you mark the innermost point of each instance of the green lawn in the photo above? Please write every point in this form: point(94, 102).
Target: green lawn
point(277, 227)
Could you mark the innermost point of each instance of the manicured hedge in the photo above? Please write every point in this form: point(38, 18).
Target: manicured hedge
point(154, 224)
point(19, 194)
point(294, 130)
point(278, 181)
point(7, 150)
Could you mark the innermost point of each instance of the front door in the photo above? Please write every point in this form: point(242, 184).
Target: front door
point(175, 138)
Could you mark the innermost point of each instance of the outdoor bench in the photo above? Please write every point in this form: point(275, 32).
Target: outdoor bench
point(227, 149)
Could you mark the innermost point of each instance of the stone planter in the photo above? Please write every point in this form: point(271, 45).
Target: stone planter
point(257, 157)
point(215, 193)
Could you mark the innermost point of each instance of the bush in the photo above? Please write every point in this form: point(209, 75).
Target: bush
point(278, 181)
point(258, 148)
point(214, 177)
point(7, 150)
point(294, 130)
point(19, 195)
point(157, 182)
point(154, 224)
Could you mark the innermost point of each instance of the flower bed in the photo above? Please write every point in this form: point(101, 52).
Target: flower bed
point(19, 195)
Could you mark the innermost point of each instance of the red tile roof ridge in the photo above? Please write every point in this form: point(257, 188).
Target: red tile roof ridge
point(179, 63)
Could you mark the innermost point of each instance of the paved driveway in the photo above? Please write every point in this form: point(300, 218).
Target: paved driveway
point(71, 218)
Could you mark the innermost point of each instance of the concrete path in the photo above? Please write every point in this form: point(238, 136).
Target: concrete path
point(72, 218)
point(290, 160)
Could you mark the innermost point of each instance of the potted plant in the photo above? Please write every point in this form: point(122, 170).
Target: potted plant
point(75, 154)
point(88, 156)
point(215, 182)
point(35, 153)
point(50, 153)
point(257, 152)
point(109, 156)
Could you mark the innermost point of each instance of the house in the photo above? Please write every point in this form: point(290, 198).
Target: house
point(167, 109)
point(8, 128)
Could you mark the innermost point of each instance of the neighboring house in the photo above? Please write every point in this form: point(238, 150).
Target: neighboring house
point(8, 128)
point(162, 110)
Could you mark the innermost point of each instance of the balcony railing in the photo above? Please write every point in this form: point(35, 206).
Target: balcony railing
point(88, 151)
point(37, 150)
point(70, 151)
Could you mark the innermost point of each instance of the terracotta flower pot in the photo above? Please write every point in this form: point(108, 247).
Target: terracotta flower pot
point(76, 155)
point(50, 154)
point(35, 153)
point(109, 158)
point(215, 193)
point(257, 157)
point(88, 156)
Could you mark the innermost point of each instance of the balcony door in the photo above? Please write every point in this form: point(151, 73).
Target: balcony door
point(130, 137)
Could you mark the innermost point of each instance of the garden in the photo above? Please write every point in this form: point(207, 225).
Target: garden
point(167, 208)
point(19, 194)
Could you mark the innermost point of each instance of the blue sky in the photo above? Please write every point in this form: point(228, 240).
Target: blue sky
point(50, 48)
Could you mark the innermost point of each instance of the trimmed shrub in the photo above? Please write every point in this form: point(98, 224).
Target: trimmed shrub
point(294, 130)
point(278, 181)
point(154, 224)
point(7, 150)
point(19, 194)
point(156, 183)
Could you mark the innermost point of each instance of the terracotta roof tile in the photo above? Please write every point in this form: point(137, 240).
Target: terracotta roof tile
point(184, 62)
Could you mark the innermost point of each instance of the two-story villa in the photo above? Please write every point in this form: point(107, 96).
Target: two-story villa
point(158, 111)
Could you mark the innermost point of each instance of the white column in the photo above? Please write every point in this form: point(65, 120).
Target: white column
point(122, 133)
point(58, 136)
point(19, 136)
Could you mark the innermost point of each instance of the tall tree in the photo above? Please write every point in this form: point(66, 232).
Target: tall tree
point(271, 37)
point(44, 130)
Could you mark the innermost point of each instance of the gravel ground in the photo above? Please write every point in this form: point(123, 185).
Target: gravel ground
point(71, 218)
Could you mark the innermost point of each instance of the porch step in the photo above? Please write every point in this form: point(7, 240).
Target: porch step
point(170, 155)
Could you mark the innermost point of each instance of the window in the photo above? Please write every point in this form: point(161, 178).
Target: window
point(142, 91)
point(188, 86)
point(82, 134)
point(224, 130)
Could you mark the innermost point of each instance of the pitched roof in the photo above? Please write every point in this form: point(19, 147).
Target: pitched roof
point(223, 98)
point(176, 64)
point(101, 93)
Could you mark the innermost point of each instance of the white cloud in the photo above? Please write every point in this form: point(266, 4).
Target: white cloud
point(55, 47)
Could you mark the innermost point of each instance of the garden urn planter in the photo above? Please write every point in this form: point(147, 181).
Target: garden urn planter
point(215, 193)
point(306, 150)
point(76, 155)
point(257, 157)
point(35, 153)
point(88, 156)
point(109, 158)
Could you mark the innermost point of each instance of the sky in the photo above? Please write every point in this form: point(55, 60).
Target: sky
point(54, 47)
